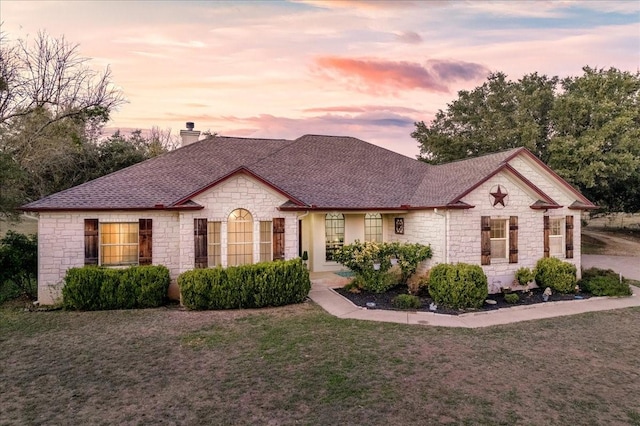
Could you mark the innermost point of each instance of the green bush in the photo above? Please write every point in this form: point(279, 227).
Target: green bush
point(604, 282)
point(554, 273)
point(246, 286)
point(406, 301)
point(93, 288)
point(361, 258)
point(512, 298)
point(18, 266)
point(524, 276)
point(458, 286)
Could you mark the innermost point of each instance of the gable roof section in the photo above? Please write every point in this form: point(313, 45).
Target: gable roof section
point(165, 180)
point(313, 172)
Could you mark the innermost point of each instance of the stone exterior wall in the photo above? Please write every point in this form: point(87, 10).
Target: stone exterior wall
point(61, 245)
point(464, 228)
point(238, 192)
point(61, 235)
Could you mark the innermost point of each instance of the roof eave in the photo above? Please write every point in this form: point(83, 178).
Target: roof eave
point(96, 209)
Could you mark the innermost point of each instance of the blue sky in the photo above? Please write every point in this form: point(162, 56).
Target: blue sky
point(283, 69)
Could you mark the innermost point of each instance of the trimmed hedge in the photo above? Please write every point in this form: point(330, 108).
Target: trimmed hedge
point(458, 286)
point(92, 288)
point(247, 286)
point(604, 282)
point(554, 273)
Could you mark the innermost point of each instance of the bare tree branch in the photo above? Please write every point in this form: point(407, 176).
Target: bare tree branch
point(48, 73)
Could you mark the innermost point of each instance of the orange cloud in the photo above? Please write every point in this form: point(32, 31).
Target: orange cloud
point(378, 75)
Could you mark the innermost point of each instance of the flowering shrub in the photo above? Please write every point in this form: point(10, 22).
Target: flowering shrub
point(371, 262)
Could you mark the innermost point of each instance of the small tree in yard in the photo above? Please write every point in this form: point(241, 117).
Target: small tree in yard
point(372, 261)
point(18, 265)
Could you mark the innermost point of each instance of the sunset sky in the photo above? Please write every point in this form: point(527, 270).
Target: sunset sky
point(283, 69)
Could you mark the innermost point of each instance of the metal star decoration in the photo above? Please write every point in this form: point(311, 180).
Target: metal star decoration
point(498, 197)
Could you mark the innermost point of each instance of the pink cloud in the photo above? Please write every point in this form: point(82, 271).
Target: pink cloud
point(410, 37)
point(363, 108)
point(377, 75)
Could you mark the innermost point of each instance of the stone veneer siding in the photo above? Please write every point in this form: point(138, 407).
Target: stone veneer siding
point(61, 235)
point(61, 245)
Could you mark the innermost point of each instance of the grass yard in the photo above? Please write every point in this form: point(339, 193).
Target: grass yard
point(299, 365)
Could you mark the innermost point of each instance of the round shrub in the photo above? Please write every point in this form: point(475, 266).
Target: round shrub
point(458, 286)
point(511, 298)
point(524, 276)
point(554, 273)
point(604, 282)
point(406, 301)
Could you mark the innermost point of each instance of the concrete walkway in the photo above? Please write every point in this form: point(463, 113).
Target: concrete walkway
point(322, 293)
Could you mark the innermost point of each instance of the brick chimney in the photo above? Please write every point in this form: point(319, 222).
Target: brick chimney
point(189, 136)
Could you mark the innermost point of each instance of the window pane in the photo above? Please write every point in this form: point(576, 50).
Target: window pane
point(265, 241)
point(334, 234)
point(373, 227)
point(498, 235)
point(499, 248)
point(119, 243)
point(213, 238)
point(240, 238)
point(498, 228)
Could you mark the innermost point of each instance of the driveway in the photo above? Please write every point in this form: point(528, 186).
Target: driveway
point(628, 266)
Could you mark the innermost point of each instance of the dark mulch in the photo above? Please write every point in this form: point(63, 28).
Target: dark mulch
point(383, 301)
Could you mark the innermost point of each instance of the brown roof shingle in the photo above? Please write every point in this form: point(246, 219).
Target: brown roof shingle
point(331, 172)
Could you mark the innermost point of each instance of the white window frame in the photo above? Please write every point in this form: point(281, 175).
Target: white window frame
point(266, 241)
point(556, 235)
point(505, 223)
point(214, 249)
point(373, 222)
point(240, 252)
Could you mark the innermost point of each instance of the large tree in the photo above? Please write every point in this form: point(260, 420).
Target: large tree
point(52, 109)
point(49, 74)
point(587, 128)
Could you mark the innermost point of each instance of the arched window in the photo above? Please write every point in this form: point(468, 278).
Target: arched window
point(239, 238)
point(373, 227)
point(334, 233)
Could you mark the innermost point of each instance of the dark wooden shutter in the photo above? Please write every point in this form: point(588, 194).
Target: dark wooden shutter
point(278, 238)
point(91, 241)
point(546, 235)
point(513, 239)
point(569, 236)
point(145, 243)
point(485, 235)
point(200, 243)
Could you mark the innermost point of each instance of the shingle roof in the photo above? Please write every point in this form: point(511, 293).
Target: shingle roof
point(336, 172)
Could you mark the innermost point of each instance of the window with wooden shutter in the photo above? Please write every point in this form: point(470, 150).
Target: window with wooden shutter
point(485, 234)
point(546, 230)
point(200, 242)
point(569, 237)
point(145, 245)
point(513, 239)
point(91, 241)
point(278, 238)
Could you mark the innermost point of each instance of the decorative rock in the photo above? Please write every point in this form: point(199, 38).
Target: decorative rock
point(371, 304)
point(433, 307)
point(490, 302)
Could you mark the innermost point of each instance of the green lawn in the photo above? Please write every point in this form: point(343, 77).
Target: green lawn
point(299, 365)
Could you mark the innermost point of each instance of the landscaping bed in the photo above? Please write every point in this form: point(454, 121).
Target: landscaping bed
point(384, 300)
